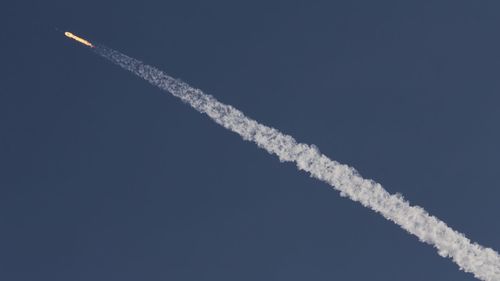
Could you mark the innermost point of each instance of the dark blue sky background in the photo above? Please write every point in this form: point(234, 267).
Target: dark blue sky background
point(103, 177)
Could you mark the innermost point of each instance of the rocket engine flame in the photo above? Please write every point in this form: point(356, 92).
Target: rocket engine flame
point(79, 39)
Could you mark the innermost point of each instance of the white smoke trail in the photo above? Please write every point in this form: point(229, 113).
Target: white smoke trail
point(483, 262)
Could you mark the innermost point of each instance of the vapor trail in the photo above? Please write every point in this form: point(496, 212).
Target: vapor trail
point(483, 262)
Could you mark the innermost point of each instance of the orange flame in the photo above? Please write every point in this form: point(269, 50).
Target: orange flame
point(81, 40)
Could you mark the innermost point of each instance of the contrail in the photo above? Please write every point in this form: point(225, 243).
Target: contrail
point(483, 262)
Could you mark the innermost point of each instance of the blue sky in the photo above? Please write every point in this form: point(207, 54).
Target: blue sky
point(105, 178)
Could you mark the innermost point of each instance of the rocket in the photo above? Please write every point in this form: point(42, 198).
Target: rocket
point(79, 39)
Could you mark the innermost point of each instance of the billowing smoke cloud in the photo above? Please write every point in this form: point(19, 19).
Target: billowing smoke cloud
point(483, 262)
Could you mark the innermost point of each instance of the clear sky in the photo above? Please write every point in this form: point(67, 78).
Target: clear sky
point(103, 177)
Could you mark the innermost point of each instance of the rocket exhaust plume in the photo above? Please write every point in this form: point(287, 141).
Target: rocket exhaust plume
point(483, 262)
point(79, 39)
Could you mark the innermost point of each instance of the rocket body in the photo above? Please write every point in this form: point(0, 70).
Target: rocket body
point(79, 39)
